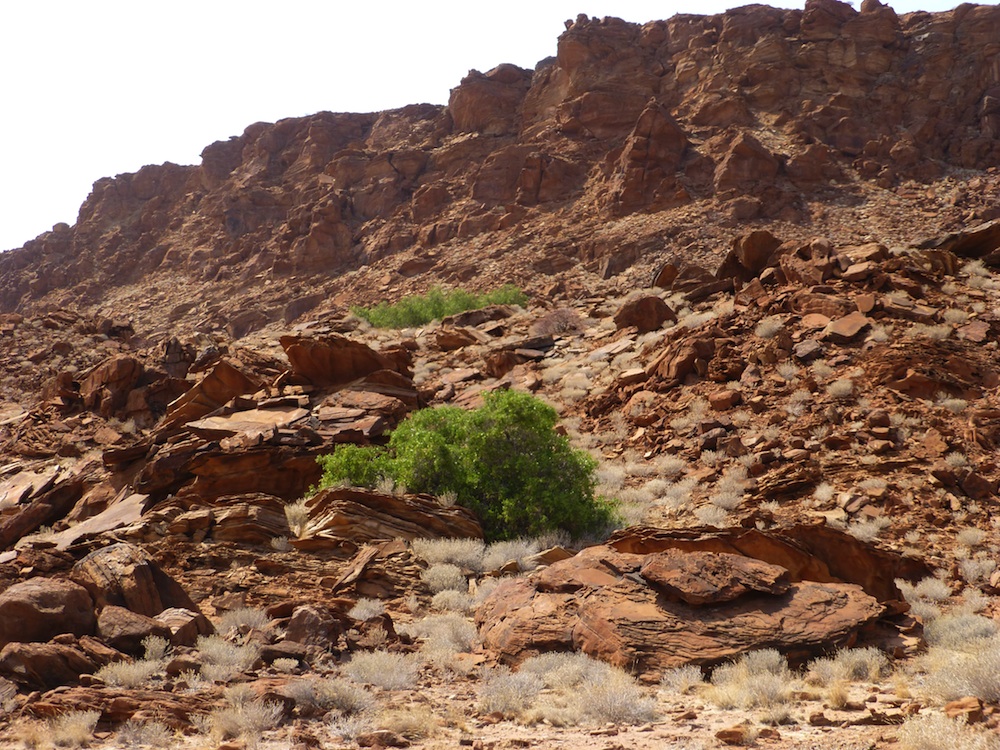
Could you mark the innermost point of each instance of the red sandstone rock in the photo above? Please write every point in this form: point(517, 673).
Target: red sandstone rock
point(40, 608)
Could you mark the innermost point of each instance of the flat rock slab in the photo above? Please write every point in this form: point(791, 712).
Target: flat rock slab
point(711, 577)
point(600, 603)
point(251, 421)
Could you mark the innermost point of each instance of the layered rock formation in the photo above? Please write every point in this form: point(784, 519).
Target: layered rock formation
point(753, 116)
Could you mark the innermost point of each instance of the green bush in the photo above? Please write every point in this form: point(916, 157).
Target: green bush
point(504, 461)
point(419, 310)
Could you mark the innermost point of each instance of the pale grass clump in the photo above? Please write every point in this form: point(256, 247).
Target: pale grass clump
point(73, 729)
point(587, 691)
point(759, 679)
point(413, 723)
point(444, 576)
point(934, 731)
point(822, 369)
point(976, 569)
point(561, 670)
point(322, 694)
point(787, 371)
point(383, 669)
point(853, 664)
point(956, 460)
point(616, 699)
point(297, 515)
point(956, 630)
point(824, 492)
point(450, 600)
point(223, 660)
point(930, 588)
point(669, 466)
point(769, 327)
point(712, 515)
point(243, 619)
point(244, 716)
point(446, 634)
point(841, 389)
point(938, 332)
point(610, 478)
point(970, 668)
point(285, 664)
point(867, 530)
point(465, 553)
point(970, 537)
point(128, 674)
point(366, 609)
point(507, 693)
point(134, 733)
point(499, 554)
point(682, 680)
point(955, 316)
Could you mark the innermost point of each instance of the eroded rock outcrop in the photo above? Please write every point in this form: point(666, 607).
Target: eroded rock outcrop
point(652, 612)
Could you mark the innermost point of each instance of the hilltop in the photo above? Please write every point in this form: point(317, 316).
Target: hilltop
point(759, 252)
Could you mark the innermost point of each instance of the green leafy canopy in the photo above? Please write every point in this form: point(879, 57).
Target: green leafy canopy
point(418, 310)
point(504, 461)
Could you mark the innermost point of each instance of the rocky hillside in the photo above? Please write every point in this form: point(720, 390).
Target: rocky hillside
point(760, 252)
point(631, 146)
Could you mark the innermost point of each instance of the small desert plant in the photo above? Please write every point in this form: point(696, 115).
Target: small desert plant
point(245, 618)
point(222, 660)
point(759, 679)
point(330, 694)
point(243, 716)
point(933, 731)
point(285, 664)
point(419, 310)
point(956, 460)
point(840, 389)
point(970, 537)
point(682, 679)
point(465, 553)
point(499, 554)
point(383, 669)
point(507, 693)
point(297, 515)
point(128, 674)
point(446, 634)
point(135, 733)
point(769, 327)
point(444, 577)
point(712, 515)
point(366, 609)
point(450, 600)
point(413, 723)
point(867, 530)
point(560, 320)
point(73, 729)
point(868, 664)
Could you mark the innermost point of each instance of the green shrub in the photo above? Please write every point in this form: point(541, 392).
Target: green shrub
point(421, 309)
point(504, 461)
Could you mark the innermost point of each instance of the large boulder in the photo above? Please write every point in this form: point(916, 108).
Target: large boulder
point(126, 576)
point(638, 613)
point(358, 516)
point(41, 608)
point(44, 665)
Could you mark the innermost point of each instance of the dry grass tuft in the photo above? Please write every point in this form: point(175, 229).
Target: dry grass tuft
point(383, 669)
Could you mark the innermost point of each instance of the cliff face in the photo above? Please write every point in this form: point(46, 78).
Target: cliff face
point(606, 154)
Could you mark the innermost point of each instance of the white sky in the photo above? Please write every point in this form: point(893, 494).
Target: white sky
point(95, 88)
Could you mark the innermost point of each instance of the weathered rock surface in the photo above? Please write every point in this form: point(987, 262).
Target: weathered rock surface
point(41, 608)
point(124, 575)
point(359, 516)
point(603, 603)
